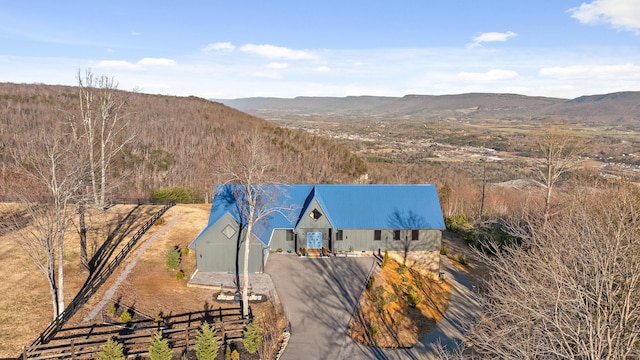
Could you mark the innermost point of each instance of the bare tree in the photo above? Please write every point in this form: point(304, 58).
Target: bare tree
point(102, 130)
point(571, 291)
point(255, 173)
point(559, 153)
point(51, 163)
point(103, 127)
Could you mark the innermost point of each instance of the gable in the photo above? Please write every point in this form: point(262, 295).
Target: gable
point(314, 216)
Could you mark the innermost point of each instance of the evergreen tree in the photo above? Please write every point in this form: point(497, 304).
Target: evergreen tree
point(207, 343)
point(252, 337)
point(111, 350)
point(159, 348)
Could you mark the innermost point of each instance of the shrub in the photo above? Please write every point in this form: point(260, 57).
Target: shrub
point(455, 222)
point(125, 317)
point(227, 353)
point(385, 259)
point(235, 355)
point(443, 249)
point(370, 282)
point(279, 250)
point(159, 222)
point(111, 308)
point(181, 195)
point(159, 348)
point(111, 350)
point(180, 274)
point(401, 269)
point(413, 298)
point(206, 343)
point(185, 251)
point(252, 337)
point(172, 258)
point(373, 329)
point(461, 259)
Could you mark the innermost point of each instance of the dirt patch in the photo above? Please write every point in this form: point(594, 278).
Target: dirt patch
point(399, 307)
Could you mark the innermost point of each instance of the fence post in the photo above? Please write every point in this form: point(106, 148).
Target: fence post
point(220, 308)
point(186, 339)
point(73, 350)
point(24, 352)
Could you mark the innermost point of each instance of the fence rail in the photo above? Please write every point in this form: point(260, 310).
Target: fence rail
point(181, 331)
point(95, 281)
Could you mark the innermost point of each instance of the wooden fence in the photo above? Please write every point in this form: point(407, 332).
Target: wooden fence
point(181, 331)
point(95, 281)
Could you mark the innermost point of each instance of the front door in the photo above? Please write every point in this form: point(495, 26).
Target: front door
point(314, 240)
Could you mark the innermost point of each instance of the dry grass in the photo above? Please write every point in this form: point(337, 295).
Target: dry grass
point(26, 302)
point(385, 308)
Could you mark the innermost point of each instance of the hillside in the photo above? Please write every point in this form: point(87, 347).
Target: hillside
point(179, 141)
point(610, 109)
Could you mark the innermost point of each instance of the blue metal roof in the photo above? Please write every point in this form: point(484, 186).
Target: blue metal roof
point(346, 206)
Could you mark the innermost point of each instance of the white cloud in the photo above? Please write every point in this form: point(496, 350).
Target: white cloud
point(115, 64)
point(322, 69)
point(266, 75)
point(219, 46)
point(492, 37)
point(491, 75)
point(622, 71)
point(157, 62)
point(277, 65)
point(621, 14)
point(123, 64)
point(277, 52)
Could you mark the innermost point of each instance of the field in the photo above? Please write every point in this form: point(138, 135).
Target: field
point(150, 287)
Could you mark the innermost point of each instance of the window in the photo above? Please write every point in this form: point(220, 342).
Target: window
point(415, 234)
point(315, 214)
point(396, 234)
point(377, 234)
point(289, 235)
point(338, 235)
point(229, 231)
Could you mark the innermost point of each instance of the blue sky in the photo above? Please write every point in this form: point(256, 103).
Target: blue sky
point(282, 48)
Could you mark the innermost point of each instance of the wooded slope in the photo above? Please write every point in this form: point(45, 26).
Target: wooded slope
point(179, 141)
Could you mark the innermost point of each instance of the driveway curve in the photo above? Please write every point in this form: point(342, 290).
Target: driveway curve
point(320, 296)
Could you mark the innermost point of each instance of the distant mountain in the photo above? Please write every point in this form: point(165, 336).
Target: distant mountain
point(617, 108)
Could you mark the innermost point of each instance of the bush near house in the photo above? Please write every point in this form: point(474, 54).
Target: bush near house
point(181, 195)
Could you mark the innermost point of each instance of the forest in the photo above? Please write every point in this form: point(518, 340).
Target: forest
point(167, 141)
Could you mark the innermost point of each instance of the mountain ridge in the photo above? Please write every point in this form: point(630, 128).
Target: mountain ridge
point(619, 108)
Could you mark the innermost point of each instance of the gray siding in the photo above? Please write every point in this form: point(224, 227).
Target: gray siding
point(308, 224)
point(215, 252)
point(362, 240)
point(279, 241)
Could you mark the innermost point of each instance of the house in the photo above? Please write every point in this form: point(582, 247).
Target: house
point(343, 219)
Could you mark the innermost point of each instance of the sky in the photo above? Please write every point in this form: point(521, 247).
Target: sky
point(227, 49)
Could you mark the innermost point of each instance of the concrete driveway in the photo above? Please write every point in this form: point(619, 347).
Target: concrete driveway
point(319, 297)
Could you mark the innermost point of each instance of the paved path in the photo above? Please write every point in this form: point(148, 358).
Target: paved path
point(110, 293)
point(320, 315)
point(319, 297)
